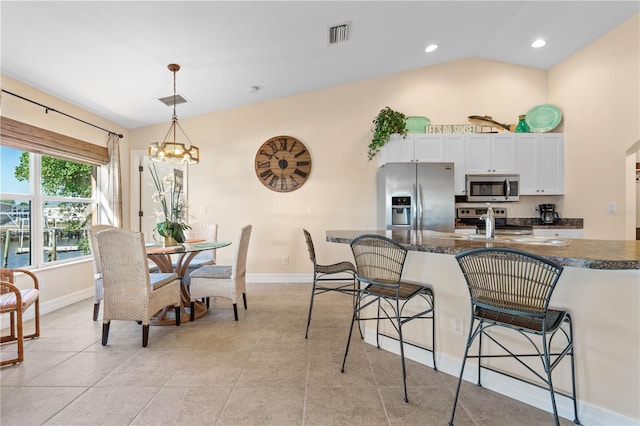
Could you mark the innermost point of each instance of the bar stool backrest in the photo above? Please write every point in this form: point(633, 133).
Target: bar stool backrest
point(312, 251)
point(509, 281)
point(378, 259)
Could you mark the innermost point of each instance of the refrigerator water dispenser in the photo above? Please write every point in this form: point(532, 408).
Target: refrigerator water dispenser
point(401, 210)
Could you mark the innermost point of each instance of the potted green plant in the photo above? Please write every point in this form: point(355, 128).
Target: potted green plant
point(387, 122)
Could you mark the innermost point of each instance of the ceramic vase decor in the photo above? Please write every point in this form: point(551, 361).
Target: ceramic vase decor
point(522, 126)
point(170, 242)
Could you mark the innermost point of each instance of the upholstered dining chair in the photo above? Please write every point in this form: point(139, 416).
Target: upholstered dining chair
point(200, 231)
point(130, 291)
point(336, 277)
point(379, 263)
point(98, 293)
point(510, 290)
point(14, 302)
point(226, 281)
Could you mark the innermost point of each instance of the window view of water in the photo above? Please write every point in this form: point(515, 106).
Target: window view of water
point(17, 255)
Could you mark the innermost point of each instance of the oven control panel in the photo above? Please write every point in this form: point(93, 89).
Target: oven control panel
point(476, 212)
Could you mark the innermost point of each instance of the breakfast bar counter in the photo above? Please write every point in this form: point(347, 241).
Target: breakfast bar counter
point(578, 253)
point(600, 286)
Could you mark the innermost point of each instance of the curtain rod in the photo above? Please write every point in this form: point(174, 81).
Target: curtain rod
point(47, 109)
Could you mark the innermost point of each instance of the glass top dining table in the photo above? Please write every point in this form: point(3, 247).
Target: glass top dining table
point(162, 257)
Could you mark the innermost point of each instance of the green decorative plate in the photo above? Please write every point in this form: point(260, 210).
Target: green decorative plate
point(543, 118)
point(416, 124)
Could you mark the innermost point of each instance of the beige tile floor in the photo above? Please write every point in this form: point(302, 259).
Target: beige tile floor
point(257, 371)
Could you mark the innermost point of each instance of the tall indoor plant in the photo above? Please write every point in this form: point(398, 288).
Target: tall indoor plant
point(169, 194)
point(386, 122)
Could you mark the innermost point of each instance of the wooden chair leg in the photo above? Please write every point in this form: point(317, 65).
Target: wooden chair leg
point(235, 311)
point(20, 335)
point(177, 309)
point(192, 315)
point(244, 299)
point(145, 335)
point(105, 333)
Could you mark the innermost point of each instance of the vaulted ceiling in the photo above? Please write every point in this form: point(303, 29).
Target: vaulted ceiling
point(111, 57)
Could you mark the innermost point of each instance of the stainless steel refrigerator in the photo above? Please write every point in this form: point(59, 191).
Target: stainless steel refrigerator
point(417, 196)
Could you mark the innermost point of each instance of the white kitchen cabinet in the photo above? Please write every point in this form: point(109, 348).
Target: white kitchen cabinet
point(428, 148)
point(541, 163)
point(491, 153)
point(454, 152)
point(558, 232)
point(414, 147)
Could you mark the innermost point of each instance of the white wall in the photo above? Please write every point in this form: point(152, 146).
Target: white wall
point(599, 91)
point(335, 126)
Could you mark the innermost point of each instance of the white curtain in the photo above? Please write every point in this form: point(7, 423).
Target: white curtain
point(114, 180)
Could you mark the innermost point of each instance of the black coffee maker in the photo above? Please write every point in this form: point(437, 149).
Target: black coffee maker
point(548, 214)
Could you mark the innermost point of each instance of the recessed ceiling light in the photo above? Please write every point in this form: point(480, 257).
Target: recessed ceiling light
point(538, 43)
point(430, 48)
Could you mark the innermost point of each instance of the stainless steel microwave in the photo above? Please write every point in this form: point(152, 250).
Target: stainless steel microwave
point(496, 188)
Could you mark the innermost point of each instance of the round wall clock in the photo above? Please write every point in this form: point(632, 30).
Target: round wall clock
point(283, 164)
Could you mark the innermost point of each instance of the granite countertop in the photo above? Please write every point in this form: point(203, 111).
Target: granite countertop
point(581, 253)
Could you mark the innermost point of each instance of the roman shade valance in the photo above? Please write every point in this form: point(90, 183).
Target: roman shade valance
point(19, 135)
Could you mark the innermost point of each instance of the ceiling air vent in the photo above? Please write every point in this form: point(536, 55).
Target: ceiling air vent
point(168, 100)
point(338, 33)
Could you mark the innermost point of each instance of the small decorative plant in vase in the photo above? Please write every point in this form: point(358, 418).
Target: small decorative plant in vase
point(170, 196)
point(386, 122)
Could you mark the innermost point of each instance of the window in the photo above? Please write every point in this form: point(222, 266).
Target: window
point(46, 208)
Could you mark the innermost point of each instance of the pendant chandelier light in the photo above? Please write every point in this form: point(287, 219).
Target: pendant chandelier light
point(171, 151)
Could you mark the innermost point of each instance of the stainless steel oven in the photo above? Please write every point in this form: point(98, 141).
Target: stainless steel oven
point(496, 188)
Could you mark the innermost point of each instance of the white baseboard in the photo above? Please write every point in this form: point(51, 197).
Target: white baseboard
point(60, 302)
point(589, 414)
point(280, 278)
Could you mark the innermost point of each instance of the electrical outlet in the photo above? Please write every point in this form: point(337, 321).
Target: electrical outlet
point(285, 260)
point(457, 326)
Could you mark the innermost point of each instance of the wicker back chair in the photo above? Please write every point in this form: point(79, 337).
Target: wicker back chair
point(200, 231)
point(98, 293)
point(15, 302)
point(327, 274)
point(511, 289)
point(227, 281)
point(379, 264)
point(129, 291)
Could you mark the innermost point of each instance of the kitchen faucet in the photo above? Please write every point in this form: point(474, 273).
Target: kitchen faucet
point(490, 222)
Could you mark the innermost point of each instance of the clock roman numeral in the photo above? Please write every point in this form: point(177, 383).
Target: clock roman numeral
point(302, 163)
point(264, 175)
point(300, 173)
point(273, 181)
point(283, 144)
point(292, 145)
point(263, 164)
point(283, 184)
point(265, 153)
point(294, 182)
point(273, 146)
point(300, 153)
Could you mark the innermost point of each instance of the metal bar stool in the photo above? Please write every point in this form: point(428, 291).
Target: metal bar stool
point(328, 273)
point(511, 289)
point(379, 263)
